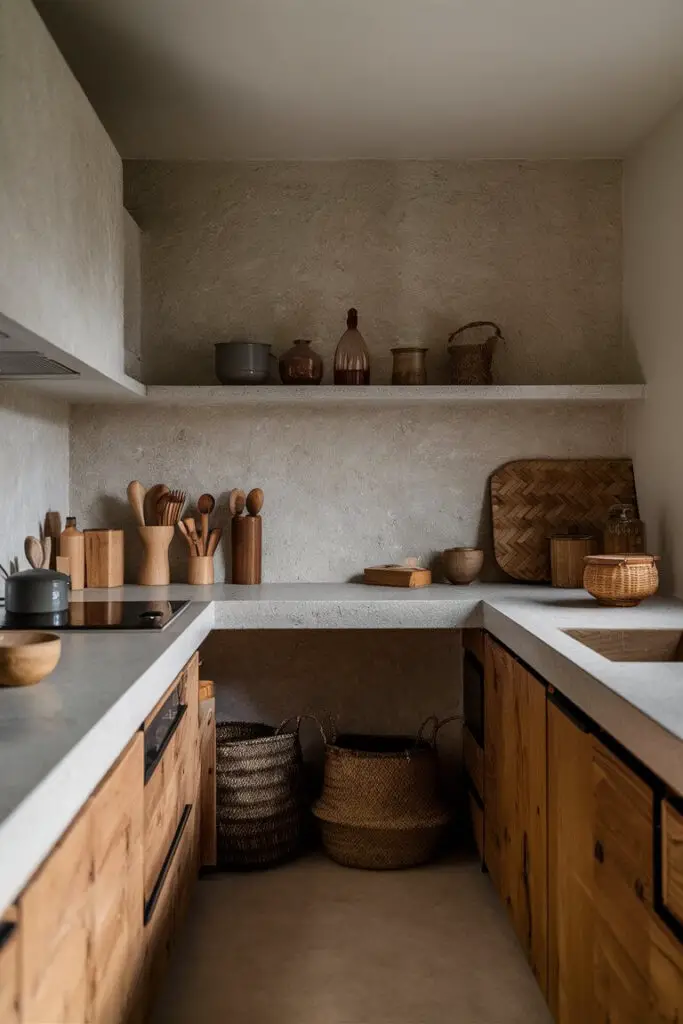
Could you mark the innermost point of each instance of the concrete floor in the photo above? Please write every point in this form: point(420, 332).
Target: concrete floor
point(315, 943)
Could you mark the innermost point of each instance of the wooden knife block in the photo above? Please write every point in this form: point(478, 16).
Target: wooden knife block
point(246, 537)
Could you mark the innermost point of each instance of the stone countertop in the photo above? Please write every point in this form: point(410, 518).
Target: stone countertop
point(59, 738)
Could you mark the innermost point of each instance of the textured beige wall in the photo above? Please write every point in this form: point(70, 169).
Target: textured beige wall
point(342, 490)
point(34, 466)
point(61, 183)
point(132, 297)
point(278, 251)
point(653, 304)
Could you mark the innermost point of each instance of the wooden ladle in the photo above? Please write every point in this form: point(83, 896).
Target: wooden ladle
point(205, 506)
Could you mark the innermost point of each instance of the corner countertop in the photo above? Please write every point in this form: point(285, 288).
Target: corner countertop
point(58, 739)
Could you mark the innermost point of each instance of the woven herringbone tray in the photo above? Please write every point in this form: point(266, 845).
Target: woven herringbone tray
point(531, 499)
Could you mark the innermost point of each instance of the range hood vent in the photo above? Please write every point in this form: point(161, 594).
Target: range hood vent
point(31, 365)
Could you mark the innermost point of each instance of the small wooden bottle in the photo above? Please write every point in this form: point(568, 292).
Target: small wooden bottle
point(72, 546)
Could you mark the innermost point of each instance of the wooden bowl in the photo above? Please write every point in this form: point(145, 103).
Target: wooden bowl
point(462, 565)
point(26, 656)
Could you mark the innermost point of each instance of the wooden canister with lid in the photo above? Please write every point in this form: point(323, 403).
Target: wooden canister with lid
point(567, 553)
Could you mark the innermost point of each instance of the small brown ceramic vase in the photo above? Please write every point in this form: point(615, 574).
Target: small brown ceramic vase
point(301, 364)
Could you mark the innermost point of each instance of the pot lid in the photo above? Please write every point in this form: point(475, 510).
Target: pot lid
point(626, 559)
point(38, 576)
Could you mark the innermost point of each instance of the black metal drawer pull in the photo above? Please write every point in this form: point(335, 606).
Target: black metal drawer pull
point(166, 866)
point(150, 769)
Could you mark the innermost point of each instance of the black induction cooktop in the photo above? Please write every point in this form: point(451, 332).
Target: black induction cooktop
point(100, 615)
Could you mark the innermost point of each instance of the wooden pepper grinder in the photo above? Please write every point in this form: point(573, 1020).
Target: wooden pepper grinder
point(72, 546)
point(246, 536)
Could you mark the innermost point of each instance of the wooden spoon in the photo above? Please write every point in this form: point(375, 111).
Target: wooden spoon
point(34, 552)
point(136, 497)
point(190, 543)
point(191, 528)
point(205, 506)
point(255, 501)
point(236, 501)
point(46, 545)
point(214, 538)
point(151, 504)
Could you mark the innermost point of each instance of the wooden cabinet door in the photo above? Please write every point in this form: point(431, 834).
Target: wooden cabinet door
point(570, 868)
point(622, 889)
point(515, 836)
point(207, 782)
point(117, 889)
point(56, 928)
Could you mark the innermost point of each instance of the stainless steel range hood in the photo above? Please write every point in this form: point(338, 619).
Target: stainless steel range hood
point(31, 366)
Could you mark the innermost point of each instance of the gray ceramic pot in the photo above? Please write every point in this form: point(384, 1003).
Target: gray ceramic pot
point(242, 362)
point(36, 592)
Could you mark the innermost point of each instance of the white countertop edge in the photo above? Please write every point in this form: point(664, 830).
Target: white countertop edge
point(31, 831)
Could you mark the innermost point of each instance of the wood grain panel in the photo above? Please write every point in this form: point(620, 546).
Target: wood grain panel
point(56, 921)
point(164, 800)
point(116, 812)
point(672, 859)
point(515, 806)
point(622, 880)
point(207, 784)
point(570, 870)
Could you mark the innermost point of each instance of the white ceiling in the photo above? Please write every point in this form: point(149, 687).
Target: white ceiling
point(337, 79)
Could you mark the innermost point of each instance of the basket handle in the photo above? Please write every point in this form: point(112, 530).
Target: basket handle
point(447, 721)
point(299, 719)
point(421, 738)
point(498, 334)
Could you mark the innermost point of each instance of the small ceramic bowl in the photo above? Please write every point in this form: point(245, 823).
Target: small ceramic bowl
point(462, 565)
point(26, 656)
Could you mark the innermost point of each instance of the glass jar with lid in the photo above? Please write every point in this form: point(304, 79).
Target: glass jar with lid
point(624, 532)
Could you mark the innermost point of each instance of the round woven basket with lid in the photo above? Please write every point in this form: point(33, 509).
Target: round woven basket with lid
point(621, 581)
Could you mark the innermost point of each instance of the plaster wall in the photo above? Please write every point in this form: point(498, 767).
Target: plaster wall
point(653, 305)
point(34, 467)
point(279, 251)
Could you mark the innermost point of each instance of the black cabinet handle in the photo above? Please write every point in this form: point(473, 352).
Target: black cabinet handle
point(7, 929)
point(149, 770)
point(166, 866)
point(575, 716)
point(599, 852)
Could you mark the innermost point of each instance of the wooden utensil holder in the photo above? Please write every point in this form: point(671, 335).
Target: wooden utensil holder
point(154, 569)
point(103, 558)
point(200, 569)
point(246, 549)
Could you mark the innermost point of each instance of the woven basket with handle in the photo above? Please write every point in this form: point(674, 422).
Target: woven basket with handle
point(260, 805)
point(380, 807)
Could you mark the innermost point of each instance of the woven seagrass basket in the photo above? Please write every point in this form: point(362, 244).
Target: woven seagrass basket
point(260, 807)
point(380, 807)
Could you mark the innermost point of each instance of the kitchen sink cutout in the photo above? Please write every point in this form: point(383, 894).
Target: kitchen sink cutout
point(632, 644)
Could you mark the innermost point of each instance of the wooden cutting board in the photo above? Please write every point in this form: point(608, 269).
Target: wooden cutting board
point(531, 499)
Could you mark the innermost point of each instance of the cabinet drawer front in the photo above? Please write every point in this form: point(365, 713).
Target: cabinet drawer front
point(55, 914)
point(165, 796)
point(9, 972)
point(672, 860)
point(164, 909)
point(473, 758)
